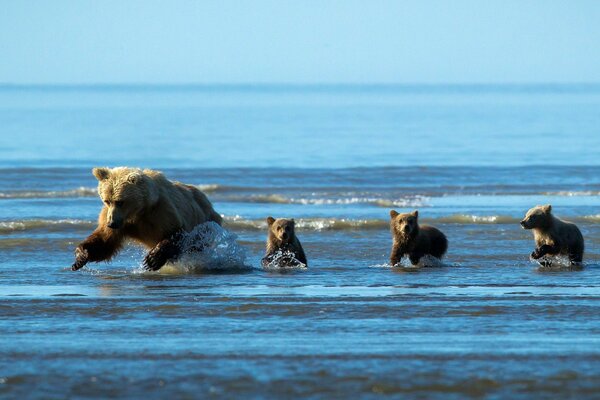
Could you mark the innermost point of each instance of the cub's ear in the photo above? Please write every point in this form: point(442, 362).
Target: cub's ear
point(547, 208)
point(101, 173)
point(415, 213)
point(393, 213)
point(293, 222)
point(270, 220)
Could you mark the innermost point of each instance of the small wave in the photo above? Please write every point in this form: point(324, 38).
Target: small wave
point(310, 224)
point(573, 193)
point(54, 194)
point(208, 248)
point(210, 188)
point(416, 201)
point(44, 224)
point(592, 218)
point(478, 219)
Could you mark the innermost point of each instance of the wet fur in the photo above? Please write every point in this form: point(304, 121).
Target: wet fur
point(421, 240)
point(552, 235)
point(155, 212)
point(276, 243)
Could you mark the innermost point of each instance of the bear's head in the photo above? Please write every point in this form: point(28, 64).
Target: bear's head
point(537, 217)
point(404, 225)
point(125, 192)
point(281, 229)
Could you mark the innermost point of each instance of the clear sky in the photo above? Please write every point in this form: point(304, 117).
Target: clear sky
point(126, 41)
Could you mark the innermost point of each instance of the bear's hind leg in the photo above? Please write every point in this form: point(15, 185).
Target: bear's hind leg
point(415, 258)
point(166, 250)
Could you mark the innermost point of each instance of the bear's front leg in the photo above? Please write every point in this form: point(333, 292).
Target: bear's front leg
point(166, 250)
point(396, 255)
point(101, 245)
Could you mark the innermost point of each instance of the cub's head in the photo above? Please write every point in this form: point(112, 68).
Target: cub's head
point(125, 192)
point(406, 224)
point(537, 217)
point(282, 229)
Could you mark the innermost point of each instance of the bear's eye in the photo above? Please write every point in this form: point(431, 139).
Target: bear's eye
point(287, 228)
point(119, 203)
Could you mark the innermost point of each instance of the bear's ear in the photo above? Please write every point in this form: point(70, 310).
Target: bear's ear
point(393, 214)
point(415, 213)
point(293, 222)
point(270, 220)
point(101, 173)
point(547, 208)
point(134, 178)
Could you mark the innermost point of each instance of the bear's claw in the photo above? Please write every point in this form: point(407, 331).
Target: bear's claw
point(161, 253)
point(81, 258)
point(150, 263)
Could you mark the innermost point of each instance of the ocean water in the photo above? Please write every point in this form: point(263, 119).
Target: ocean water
point(488, 323)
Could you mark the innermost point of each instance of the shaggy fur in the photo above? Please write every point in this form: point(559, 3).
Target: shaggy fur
point(553, 236)
point(282, 237)
point(414, 240)
point(145, 206)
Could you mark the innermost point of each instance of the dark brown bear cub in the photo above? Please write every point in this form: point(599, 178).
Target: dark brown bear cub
point(283, 247)
point(414, 240)
point(553, 236)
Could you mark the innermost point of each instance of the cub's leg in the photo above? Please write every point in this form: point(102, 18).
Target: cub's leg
point(396, 255)
point(543, 250)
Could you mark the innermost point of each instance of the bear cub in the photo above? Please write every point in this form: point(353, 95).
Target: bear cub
point(281, 241)
point(553, 236)
point(413, 239)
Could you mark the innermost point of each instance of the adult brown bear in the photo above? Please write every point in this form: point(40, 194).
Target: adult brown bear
point(147, 207)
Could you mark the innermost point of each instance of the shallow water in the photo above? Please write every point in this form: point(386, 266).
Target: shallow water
point(489, 323)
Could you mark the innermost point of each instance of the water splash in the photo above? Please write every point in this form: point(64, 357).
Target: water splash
point(556, 263)
point(427, 261)
point(208, 247)
point(282, 259)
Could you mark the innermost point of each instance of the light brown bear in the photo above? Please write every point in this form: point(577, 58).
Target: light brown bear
point(413, 239)
point(553, 236)
point(145, 206)
point(281, 239)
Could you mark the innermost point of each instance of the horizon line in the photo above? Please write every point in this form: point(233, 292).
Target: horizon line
point(289, 84)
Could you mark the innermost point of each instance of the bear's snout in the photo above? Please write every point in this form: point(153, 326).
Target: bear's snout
point(523, 224)
point(284, 235)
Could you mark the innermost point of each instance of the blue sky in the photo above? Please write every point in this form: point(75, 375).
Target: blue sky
point(299, 42)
